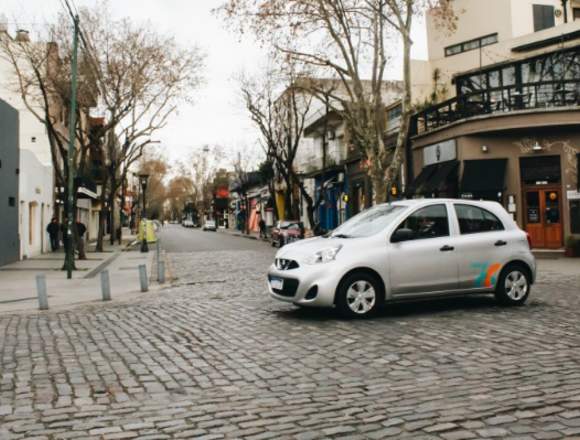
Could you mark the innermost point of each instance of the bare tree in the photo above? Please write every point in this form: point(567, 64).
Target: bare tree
point(179, 192)
point(346, 40)
point(279, 105)
point(141, 77)
point(202, 166)
point(156, 194)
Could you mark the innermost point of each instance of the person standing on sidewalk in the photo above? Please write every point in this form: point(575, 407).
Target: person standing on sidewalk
point(53, 230)
point(262, 226)
point(81, 229)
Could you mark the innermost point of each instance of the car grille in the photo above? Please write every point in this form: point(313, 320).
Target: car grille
point(289, 289)
point(284, 264)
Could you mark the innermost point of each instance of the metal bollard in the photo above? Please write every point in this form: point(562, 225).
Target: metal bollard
point(161, 272)
point(41, 289)
point(143, 278)
point(158, 261)
point(105, 285)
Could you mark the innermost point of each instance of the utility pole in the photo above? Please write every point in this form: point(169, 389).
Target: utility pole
point(70, 255)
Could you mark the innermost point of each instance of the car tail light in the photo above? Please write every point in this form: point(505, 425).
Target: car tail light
point(529, 240)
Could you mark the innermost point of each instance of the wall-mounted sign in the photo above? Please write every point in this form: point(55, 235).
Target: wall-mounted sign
point(573, 195)
point(511, 204)
point(441, 152)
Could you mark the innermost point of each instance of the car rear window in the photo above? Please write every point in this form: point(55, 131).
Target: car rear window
point(473, 220)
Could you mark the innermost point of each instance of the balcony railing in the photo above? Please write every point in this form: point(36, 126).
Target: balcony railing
point(529, 96)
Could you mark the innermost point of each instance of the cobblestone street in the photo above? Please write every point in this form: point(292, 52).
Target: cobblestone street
point(214, 357)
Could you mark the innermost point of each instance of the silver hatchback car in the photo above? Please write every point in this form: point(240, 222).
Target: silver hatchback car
point(408, 250)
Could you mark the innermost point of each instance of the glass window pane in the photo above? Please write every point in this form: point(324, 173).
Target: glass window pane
point(494, 80)
point(471, 45)
point(509, 76)
point(533, 207)
point(453, 50)
point(429, 222)
point(473, 220)
point(552, 207)
point(491, 39)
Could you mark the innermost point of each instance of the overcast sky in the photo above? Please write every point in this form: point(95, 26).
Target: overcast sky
point(217, 116)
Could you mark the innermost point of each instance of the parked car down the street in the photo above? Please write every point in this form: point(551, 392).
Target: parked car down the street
point(210, 225)
point(287, 231)
point(188, 223)
point(408, 249)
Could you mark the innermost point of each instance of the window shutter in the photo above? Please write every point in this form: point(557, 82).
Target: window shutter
point(543, 17)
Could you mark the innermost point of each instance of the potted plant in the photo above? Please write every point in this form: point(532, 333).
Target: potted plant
point(572, 247)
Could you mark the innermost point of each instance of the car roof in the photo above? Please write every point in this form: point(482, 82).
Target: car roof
point(417, 202)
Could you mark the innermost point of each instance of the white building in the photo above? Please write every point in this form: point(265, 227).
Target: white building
point(36, 196)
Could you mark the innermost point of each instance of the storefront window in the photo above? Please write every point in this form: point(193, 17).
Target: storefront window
point(575, 216)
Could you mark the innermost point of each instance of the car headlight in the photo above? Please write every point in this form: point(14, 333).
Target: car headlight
point(323, 256)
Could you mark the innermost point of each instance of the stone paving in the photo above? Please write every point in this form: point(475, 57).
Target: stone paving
point(213, 357)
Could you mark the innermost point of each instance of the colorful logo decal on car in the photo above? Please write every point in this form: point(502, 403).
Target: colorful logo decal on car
point(487, 274)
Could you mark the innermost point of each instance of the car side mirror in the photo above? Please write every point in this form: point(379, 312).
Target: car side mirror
point(402, 234)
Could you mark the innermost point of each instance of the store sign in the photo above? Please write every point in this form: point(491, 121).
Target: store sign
point(573, 195)
point(441, 152)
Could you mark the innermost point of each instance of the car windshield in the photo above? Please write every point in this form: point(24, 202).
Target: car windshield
point(368, 222)
point(288, 224)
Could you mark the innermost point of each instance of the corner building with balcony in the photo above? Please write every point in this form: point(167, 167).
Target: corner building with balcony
point(507, 124)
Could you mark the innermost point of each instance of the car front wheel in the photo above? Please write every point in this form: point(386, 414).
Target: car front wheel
point(358, 295)
point(513, 286)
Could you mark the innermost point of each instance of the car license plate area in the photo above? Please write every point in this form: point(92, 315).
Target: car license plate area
point(277, 283)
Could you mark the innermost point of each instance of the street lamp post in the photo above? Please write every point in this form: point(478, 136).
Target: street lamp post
point(143, 182)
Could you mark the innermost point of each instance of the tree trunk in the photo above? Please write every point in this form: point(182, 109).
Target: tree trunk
point(379, 187)
point(309, 203)
point(123, 191)
point(112, 213)
point(102, 217)
point(392, 171)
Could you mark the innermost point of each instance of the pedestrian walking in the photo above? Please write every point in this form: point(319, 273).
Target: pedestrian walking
point(53, 230)
point(81, 229)
point(262, 226)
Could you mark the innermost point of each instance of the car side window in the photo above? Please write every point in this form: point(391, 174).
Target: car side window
point(428, 222)
point(473, 219)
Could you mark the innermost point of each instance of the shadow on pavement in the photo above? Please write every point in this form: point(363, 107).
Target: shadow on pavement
point(479, 303)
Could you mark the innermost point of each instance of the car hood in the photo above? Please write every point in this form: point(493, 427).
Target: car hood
point(305, 248)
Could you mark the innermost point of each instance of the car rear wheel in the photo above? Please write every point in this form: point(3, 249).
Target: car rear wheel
point(513, 286)
point(359, 295)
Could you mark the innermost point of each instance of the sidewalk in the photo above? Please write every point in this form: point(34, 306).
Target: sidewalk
point(18, 280)
point(236, 233)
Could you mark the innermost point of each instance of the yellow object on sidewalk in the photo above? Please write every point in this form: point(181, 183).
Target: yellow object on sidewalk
point(150, 231)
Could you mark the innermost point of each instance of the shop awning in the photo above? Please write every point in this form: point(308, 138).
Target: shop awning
point(421, 180)
point(434, 179)
point(445, 171)
point(483, 176)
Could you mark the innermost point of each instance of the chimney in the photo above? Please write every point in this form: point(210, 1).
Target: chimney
point(22, 36)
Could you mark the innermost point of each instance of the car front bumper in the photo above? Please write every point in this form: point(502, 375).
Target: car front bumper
point(308, 285)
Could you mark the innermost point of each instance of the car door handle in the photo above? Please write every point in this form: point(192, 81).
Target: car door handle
point(500, 243)
point(447, 248)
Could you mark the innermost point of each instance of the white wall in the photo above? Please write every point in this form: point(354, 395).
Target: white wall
point(36, 195)
point(36, 204)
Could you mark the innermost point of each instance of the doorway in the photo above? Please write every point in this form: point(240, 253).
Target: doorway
point(543, 216)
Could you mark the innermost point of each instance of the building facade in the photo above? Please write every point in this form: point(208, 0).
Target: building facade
point(510, 130)
point(9, 170)
point(36, 196)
